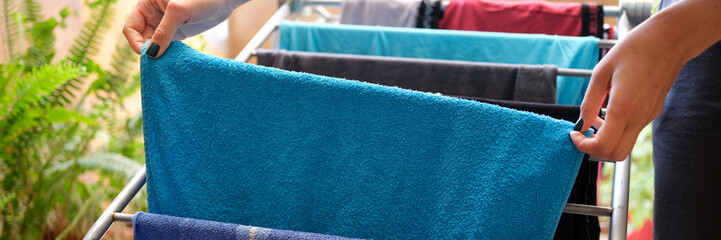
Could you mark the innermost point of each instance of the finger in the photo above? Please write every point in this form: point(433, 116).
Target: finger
point(605, 141)
point(176, 13)
point(578, 138)
point(133, 30)
point(595, 95)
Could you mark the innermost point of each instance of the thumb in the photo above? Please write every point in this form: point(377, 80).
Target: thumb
point(176, 13)
point(595, 95)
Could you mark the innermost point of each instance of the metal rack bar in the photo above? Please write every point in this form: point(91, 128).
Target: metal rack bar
point(122, 217)
point(264, 33)
point(119, 203)
point(581, 209)
point(618, 211)
point(570, 72)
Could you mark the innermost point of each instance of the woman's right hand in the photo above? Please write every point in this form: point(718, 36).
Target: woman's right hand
point(164, 20)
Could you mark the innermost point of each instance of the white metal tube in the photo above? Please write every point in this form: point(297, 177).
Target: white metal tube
point(587, 210)
point(119, 203)
point(619, 202)
point(570, 72)
point(122, 217)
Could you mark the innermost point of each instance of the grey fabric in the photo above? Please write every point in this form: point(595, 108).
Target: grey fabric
point(529, 83)
point(392, 13)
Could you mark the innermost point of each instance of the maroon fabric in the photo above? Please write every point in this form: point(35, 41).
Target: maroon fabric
point(514, 17)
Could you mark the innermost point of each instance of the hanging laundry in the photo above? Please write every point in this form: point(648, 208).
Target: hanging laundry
point(562, 51)
point(239, 143)
point(392, 13)
point(571, 226)
point(430, 12)
point(532, 83)
point(554, 18)
point(150, 226)
point(488, 80)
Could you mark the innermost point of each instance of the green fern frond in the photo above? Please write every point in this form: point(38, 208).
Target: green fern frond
point(118, 79)
point(33, 118)
point(39, 83)
point(5, 199)
point(108, 162)
point(85, 46)
point(10, 29)
point(32, 10)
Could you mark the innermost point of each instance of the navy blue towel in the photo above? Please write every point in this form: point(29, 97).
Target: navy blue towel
point(152, 226)
point(239, 143)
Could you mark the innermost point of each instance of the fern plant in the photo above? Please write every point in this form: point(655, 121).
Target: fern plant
point(44, 141)
point(84, 46)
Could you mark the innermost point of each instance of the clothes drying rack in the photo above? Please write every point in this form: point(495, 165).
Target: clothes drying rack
point(617, 212)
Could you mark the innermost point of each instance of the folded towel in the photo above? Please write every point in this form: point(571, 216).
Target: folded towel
point(392, 13)
point(562, 51)
point(531, 83)
point(233, 142)
point(157, 227)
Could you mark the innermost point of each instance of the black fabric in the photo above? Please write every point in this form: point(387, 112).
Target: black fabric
point(592, 20)
point(430, 12)
point(686, 144)
point(531, 83)
point(571, 226)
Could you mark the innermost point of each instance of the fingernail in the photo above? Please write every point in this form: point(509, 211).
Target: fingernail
point(152, 50)
point(579, 125)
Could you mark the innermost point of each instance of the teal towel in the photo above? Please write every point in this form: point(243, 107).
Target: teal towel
point(233, 142)
point(514, 48)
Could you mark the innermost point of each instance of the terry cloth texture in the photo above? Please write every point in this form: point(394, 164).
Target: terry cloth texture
point(571, 226)
point(455, 77)
point(686, 151)
point(531, 83)
point(233, 142)
point(392, 13)
point(535, 49)
point(152, 226)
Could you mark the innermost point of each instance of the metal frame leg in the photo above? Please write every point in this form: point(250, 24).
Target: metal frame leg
point(619, 202)
point(121, 201)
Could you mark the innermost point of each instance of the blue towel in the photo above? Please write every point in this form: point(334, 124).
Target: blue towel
point(157, 227)
point(514, 48)
point(234, 142)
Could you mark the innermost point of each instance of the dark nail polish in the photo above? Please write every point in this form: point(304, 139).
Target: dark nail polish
point(579, 125)
point(152, 50)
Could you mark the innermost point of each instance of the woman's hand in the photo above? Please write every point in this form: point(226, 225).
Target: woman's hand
point(638, 73)
point(166, 20)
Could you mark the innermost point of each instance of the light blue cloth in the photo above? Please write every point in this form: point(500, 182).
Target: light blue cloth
point(150, 226)
point(562, 51)
point(239, 143)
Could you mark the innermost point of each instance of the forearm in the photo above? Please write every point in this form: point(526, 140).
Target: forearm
point(686, 28)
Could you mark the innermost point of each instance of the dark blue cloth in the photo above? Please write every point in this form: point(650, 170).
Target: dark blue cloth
point(686, 152)
point(152, 226)
point(234, 142)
